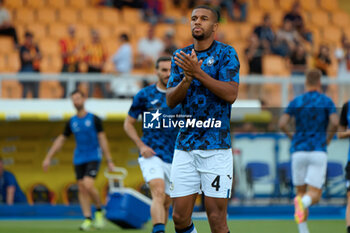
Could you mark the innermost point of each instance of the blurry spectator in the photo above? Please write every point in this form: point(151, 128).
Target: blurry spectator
point(10, 192)
point(295, 16)
point(304, 33)
point(30, 62)
point(95, 58)
point(286, 39)
point(169, 43)
point(241, 5)
point(122, 59)
point(149, 49)
point(343, 57)
point(119, 4)
point(6, 28)
point(254, 53)
point(264, 31)
point(323, 62)
point(153, 11)
point(298, 61)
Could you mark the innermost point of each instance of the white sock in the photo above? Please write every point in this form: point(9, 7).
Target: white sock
point(303, 227)
point(194, 230)
point(307, 201)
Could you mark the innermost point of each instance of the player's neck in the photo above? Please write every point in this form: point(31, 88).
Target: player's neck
point(81, 113)
point(201, 45)
point(311, 88)
point(160, 86)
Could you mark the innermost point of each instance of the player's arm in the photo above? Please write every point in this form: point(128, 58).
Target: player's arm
point(56, 146)
point(343, 132)
point(175, 95)
point(283, 125)
point(333, 126)
point(130, 130)
point(10, 194)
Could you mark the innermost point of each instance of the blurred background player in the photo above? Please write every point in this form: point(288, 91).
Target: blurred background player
point(344, 132)
point(204, 79)
point(10, 192)
point(156, 145)
point(314, 113)
point(90, 139)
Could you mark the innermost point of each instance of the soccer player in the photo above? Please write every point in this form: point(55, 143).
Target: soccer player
point(314, 114)
point(344, 132)
point(156, 145)
point(90, 138)
point(204, 79)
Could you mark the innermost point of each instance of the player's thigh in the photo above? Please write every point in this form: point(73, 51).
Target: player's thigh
point(299, 167)
point(183, 208)
point(151, 168)
point(217, 173)
point(216, 208)
point(184, 177)
point(79, 171)
point(316, 172)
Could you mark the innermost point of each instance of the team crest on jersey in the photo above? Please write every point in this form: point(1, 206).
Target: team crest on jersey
point(87, 123)
point(210, 61)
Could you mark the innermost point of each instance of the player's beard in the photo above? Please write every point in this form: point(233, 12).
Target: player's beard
point(163, 81)
point(201, 36)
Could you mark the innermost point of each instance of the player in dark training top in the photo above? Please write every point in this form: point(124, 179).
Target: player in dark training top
point(344, 132)
point(157, 144)
point(204, 80)
point(90, 138)
point(316, 123)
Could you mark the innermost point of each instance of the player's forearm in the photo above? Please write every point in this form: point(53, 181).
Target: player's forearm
point(176, 95)
point(132, 134)
point(287, 132)
point(224, 90)
point(57, 145)
point(104, 146)
point(10, 195)
point(345, 134)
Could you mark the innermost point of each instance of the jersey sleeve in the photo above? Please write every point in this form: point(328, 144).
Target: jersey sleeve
point(290, 110)
point(331, 107)
point(67, 130)
point(175, 76)
point(138, 105)
point(229, 70)
point(10, 179)
point(343, 115)
point(98, 124)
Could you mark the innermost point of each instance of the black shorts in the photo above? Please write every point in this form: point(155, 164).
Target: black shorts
point(86, 169)
point(347, 176)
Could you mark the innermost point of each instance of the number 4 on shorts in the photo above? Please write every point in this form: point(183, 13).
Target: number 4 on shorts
point(216, 183)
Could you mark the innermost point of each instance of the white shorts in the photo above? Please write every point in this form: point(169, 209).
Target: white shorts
point(210, 171)
point(309, 167)
point(155, 168)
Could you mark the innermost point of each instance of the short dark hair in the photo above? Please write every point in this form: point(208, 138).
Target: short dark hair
point(313, 77)
point(28, 34)
point(160, 59)
point(124, 36)
point(214, 11)
point(76, 91)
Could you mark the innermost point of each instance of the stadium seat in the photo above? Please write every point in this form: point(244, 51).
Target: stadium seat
point(183, 33)
point(255, 16)
point(332, 34)
point(51, 64)
point(319, 18)
point(3, 61)
point(47, 15)
point(36, 4)
point(24, 16)
point(78, 4)
point(334, 176)
point(340, 19)
point(11, 89)
point(38, 30)
point(112, 45)
point(90, 16)
point(57, 30)
point(104, 31)
point(70, 194)
point(230, 30)
point(131, 16)
point(274, 65)
point(244, 30)
point(49, 46)
point(13, 62)
point(69, 16)
point(7, 44)
point(162, 28)
point(109, 16)
point(50, 90)
point(122, 28)
point(40, 194)
point(309, 5)
point(286, 5)
point(329, 5)
point(57, 4)
point(285, 177)
point(277, 18)
point(267, 5)
point(14, 4)
point(82, 32)
point(257, 172)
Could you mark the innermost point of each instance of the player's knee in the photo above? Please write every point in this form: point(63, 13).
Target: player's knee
point(179, 219)
point(81, 187)
point(158, 195)
point(216, 218)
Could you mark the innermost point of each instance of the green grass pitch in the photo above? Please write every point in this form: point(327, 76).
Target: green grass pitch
point(236, 226)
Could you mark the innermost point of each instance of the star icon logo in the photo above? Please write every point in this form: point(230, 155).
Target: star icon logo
point(156, 115)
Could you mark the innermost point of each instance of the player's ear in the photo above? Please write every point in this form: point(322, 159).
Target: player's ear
point(215, 27)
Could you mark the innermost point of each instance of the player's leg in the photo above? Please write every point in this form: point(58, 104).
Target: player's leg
point(153, 174)
point(184, 187)
point(89, 184)
point(217, 213)
point(167, 204)
point(216, 168)
point(301, 214)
